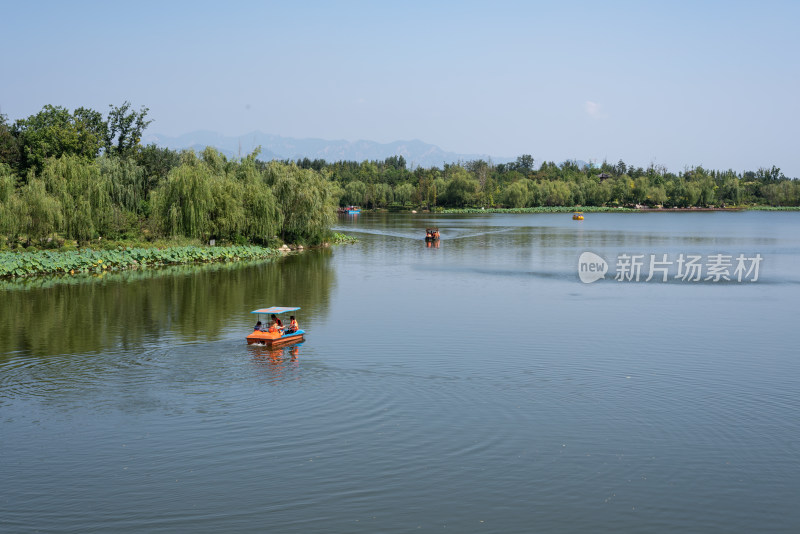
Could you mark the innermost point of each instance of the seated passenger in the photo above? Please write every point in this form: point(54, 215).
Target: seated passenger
point(276, 325)
point(292, 326)
point(258, 327)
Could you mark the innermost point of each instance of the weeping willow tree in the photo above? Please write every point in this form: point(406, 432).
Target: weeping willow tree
point(7, 182)
point(306, 200)
point(181, 205)
point(9, 203)
point(227, 218)
point(212, 198)
point(128, 183)
point(38, 214)
point(203, 198)
point(261, 208)
point(84, 193)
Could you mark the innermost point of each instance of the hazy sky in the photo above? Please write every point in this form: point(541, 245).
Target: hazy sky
point(675, 83)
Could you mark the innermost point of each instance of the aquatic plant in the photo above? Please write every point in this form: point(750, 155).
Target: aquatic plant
point(340, 239)
point(22, 264)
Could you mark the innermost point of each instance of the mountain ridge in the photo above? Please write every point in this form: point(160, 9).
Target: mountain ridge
point(416, 153)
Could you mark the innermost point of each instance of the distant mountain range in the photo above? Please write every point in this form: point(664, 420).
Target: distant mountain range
point(416, 153)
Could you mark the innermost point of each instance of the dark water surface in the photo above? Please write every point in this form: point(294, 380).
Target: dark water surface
point(474, 387)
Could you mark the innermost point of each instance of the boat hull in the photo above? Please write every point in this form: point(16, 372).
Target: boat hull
point(270, 339)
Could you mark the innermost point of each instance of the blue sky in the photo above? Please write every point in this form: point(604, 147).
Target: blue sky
point(678, 84)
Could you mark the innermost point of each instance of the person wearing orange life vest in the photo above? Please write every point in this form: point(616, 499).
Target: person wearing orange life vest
point(292, 325)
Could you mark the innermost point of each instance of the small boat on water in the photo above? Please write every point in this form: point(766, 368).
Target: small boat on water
point(271, 336)
point(350, 210)
point(431, 234)
point(577, 216)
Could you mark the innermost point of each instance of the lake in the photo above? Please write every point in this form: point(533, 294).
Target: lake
point(474, 386)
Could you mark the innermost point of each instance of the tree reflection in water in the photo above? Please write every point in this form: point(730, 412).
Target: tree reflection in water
point(127, 309)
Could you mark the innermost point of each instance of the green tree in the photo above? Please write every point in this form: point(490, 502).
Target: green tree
point(622, 190)
point(354, 193)
point(461, 189)
point(438, 191)
point(9, 202)
point(181, 205)
point(128, 184)
point(261, 208)
point(516, 195)
point(641, 189)
point(769, 175)
point(594, 193)
point(38, 213)
point(156, 163)
point(708, 192)
point(124, 129)
point(210, 197)
point(9, 145)
point(657, 196)
point(480, 170)
point(730, 191)
point(524, 164)
point(403, 193)
point(395, 162)
point(84, 194)
point(383, 196)
point(306, 202)
point(55, 132)
point(556, 193)
point(678, 193)
point(426, 188)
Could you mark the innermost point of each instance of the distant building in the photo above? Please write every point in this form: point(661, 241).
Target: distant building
point(603, 176)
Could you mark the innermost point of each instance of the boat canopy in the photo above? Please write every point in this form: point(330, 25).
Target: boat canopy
point(275, 309)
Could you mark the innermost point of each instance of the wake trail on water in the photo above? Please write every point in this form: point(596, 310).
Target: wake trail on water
point(487, 232)
point(379, 232)
point(550, 275)
point(446, 234)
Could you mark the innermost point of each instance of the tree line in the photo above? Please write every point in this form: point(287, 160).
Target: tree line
point(80, 176)
point(520, 184)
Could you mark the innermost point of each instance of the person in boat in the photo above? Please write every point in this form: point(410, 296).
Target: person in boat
point(275, 325)
point(258, 327)
point(292, 328)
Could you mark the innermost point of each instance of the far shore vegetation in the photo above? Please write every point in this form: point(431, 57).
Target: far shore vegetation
point(79, 180)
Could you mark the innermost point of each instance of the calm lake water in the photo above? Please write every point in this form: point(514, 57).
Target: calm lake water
point(475, 387)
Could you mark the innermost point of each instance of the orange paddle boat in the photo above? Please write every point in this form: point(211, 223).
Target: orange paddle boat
point(271, 336)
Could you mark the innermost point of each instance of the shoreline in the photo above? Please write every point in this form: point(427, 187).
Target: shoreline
point(606, 209)
point(645, 210)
